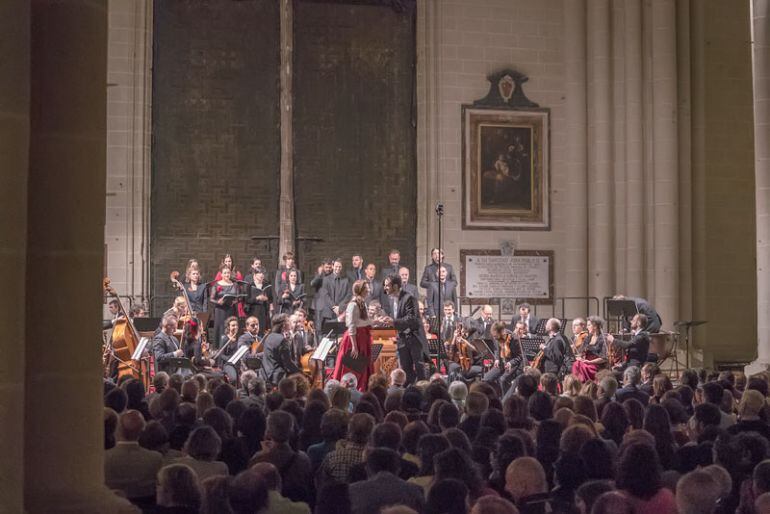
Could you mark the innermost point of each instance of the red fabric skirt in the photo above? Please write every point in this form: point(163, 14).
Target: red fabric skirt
point(584, 371)
point(364, 344)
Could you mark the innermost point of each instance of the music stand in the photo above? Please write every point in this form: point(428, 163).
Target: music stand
point(333, 328)
point(531, 346)
point(688, 326)
point(621, 310)
point(238, 355)
point(540, 328)
point(143, 342)
point(182, 363)
point(146, 324)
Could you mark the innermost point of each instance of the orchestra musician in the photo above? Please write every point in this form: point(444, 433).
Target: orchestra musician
point(166, 346)
point(430, 273)
point(509, 359)
point(113, 306)
point(259, 299)
point(639, 345)
point(654, 321)
point(178, 309)
point(250, 336)
point(292, 296)
point(485, 322)
point(555, 349)
point(579, 335)
point(465, 362)
point(196, 291)
point(222, 295)
point(449, 322)
point(228, 344)
point(447, 289)
point(302, 337)
point(593, 353)
point(276, 355)
point(530, 320)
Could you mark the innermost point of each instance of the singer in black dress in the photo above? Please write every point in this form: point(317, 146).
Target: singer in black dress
point(223, 307)
point(259, 299)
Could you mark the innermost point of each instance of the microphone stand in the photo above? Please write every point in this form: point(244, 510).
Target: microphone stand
point(440, 307)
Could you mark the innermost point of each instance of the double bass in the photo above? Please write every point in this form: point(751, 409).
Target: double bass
point(124, 341)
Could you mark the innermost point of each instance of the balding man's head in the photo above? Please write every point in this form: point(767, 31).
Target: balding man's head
point(269, 474)
point(130, 425)
point(524, 477)
point(697, 493)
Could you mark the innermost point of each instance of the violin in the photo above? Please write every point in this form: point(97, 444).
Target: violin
point(190, 322)
point(505, 347)
point(580, 339)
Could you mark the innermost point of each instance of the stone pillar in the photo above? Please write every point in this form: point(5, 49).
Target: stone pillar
point(761, 71)
point(14, 146)
point(63, 457)
point(634, 148)
point(286, 201)
point(665, 201)
point(576, 255)
point(600, 202)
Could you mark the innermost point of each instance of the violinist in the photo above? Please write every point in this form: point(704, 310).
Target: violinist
point(292, 295)
point(251, 336)
point(166, 346)
point(464, 360)
point(555, 349)
point(228, 343)
point(196, 291)
point(259, 299)
point(303, 335)
point(639, 345)
point(579, 335)
point(594, 353)
point(508, 355)
point(178, 309)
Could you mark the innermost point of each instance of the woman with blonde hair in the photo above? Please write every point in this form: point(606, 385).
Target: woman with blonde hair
point(357, 340)
point(571, 386)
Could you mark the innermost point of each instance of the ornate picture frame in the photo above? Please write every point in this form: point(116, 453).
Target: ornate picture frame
point(505, 155)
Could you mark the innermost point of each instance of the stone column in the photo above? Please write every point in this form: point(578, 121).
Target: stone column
point(576, 149)
point(665, 201)
point(761, 71)
point(63, 456)
point(634, 149)
point(14, 146)
point(600, 202)
point(286, 201)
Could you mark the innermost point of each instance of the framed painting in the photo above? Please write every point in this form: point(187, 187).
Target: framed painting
point(505, 168)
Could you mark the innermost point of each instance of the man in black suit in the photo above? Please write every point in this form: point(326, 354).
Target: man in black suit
point(165, 346)
point(447, 289)
point(430, 273)
point(406, 320)
point(276, 356)
point(335, 293)
point(639, 345)
point(484, 323)
point(449, 321)
point(555, 348)
point(375, 286)
point(324, 270)
point(403, 272)
point(356, 271)
point(530, 320)
point(394, 264)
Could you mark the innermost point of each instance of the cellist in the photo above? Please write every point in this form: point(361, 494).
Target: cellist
point(465, 361)
point(509, 357)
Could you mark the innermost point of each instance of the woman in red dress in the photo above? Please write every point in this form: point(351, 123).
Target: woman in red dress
point(594, 356)
point(357, 339)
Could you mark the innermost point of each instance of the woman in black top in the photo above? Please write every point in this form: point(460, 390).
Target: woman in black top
point(259, 299)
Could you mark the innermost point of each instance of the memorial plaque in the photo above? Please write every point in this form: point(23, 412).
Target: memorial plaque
point(525, 276)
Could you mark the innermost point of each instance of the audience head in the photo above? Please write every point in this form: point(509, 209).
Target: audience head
point(524, 477)
point(178, 487)
point(697, 493)
point(248, 493)
point(447, 496)
point(130, 425)
point(360, 427)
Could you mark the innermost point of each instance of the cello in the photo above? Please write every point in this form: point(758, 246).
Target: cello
point(124, 341)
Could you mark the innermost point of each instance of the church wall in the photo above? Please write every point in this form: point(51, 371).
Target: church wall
point(459, 43)
point(216, 143)
point(723, 170)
